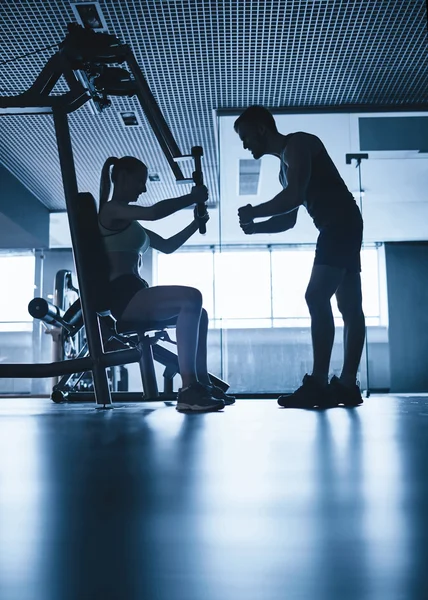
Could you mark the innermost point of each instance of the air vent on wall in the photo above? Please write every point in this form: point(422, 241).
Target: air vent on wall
point(249, 176)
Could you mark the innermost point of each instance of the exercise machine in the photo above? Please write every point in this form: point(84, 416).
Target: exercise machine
point(69, 342)
point(64, 323)
point(85, 60)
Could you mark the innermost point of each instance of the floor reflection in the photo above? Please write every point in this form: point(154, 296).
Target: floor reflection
point(252, 503)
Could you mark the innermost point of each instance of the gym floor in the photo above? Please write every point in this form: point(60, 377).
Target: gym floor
point(253, 503)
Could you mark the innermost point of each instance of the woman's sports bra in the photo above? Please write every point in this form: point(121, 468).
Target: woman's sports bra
point(133, 238)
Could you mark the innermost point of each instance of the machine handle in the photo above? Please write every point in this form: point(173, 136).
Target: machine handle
point(198, 178)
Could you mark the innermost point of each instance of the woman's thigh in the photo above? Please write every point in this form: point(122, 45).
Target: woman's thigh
point(160, 303)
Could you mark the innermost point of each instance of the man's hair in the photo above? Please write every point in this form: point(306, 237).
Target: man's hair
point(257, 115)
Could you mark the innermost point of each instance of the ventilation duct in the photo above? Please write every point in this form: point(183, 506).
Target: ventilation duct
point(129, 119)
point(249, 176)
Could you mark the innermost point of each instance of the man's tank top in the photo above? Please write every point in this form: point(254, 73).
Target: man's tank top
point(327, 199)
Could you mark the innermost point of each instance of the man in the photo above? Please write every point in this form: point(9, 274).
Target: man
point(310, 178)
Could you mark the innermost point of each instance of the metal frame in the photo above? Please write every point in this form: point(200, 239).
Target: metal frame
point(72, 57)
point(358, 158)
point(75, 65)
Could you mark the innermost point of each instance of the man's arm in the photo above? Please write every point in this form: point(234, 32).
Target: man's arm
point(278, 223)
point(298, 175)
point(274, 224)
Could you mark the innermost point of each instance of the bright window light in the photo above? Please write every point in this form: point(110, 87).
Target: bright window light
point(370, 283)
point(17, 272)
point(242, 285)
point(291, 270)
point(261, 288)
point(194, 269)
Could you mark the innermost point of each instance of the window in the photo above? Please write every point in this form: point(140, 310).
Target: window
point(17, 275)
point(242, 289)
point(261, 288)
point(194, 269)
point(291, 270)
point(371, 283)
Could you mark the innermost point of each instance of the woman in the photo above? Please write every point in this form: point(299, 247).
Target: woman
point(125, 240)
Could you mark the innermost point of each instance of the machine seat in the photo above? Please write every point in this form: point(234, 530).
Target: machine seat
point(140, 327)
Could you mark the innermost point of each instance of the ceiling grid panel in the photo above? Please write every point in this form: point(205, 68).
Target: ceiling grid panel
point(202, 55)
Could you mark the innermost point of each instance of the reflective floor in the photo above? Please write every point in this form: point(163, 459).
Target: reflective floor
point(255, 503)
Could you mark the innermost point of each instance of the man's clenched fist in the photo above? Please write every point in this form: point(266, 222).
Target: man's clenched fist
point(245, 214)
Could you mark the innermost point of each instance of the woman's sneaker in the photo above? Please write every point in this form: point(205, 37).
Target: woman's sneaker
point(197, 398)
point(343, 394)
point(218, 394)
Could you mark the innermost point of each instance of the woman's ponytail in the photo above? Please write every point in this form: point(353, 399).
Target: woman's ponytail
point(105, 181)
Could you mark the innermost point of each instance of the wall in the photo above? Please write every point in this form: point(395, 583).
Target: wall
point(394, 203)
point(407, 281)
point(395, 209)
point(24, 221)
point(395, 206)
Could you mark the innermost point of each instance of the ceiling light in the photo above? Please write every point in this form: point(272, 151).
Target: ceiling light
point(129, 119)
point(89, 15)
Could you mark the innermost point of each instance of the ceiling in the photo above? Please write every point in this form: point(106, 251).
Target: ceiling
point(200, 56)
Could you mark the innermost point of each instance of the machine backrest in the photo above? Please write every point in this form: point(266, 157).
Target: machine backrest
point(93, 274)
point(92, 268)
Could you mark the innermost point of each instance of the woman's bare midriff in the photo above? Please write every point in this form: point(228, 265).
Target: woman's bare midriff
point(124, 263)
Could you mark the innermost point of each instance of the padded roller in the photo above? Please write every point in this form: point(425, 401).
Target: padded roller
point(39, 308)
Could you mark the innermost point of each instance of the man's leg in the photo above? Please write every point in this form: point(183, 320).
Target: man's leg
point(349, 302)
point(324, 282)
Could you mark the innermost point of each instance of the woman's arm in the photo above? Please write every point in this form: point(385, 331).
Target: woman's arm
point(160, 210)
point(170, 245)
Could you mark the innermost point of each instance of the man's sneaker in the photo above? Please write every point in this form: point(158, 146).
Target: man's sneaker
point(343, 394)
point(197, 398)
point(309, 395)
point(218, 394)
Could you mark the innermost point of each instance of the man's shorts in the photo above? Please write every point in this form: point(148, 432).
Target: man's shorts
point(339, 244)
